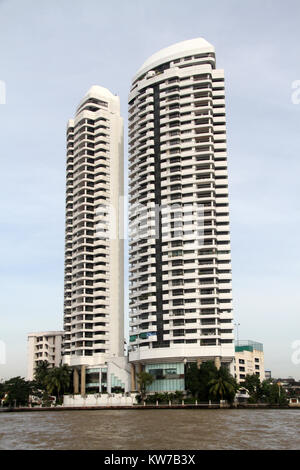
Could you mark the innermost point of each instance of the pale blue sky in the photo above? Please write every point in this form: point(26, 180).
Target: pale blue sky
point(51, 52)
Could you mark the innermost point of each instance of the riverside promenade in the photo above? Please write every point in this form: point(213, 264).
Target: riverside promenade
point(200, 406)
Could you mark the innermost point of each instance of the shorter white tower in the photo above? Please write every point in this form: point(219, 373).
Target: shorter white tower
point(94, 299)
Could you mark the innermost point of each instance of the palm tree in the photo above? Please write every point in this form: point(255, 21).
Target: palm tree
point(223, 386)
point(58, 380)
point(40, 373)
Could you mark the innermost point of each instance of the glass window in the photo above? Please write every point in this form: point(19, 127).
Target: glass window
point(170, 371)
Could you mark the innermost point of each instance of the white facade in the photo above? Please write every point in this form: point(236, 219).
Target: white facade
point(249, 360)
point(180, 259)
point(101, 399)
point(43, 346)
point(94, 309)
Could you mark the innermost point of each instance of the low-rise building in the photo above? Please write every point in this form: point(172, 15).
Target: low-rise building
point(291, 387)
point(112, 376)
point(43, 346)
point(249, 359)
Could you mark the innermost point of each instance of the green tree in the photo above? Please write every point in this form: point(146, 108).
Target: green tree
point(252, 383)
point(2, 390)
point(192, 379)
point(178, 396)
point(265, 389)
point(277, 395)
point(223, 386)
point(58, 380)
point(208, 382)
point(41, 371)
point(18, 390)
point(255, 389)
point(144, 379)
point(207, 372)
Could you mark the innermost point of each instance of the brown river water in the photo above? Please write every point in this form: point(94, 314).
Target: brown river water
point(151, 429)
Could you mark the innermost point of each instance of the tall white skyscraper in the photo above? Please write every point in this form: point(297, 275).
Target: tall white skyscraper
point(180, 261)
point(94, 300)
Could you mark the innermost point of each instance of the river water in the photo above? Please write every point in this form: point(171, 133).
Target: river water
point(151, 429)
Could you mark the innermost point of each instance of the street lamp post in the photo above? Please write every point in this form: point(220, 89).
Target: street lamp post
point(184, 370)
point(237, 331)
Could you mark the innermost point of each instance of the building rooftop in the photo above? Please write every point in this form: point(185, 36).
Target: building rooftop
point(46, 333)
point(100, 91)
point(97, 92)
point(189, 47)
point(248, 345)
